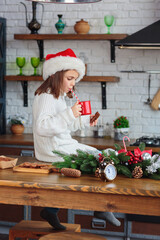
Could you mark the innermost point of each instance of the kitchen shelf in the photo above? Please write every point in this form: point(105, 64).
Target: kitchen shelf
point(41, 37)
point(24, 81)
point(85, 78)
point(69, 36)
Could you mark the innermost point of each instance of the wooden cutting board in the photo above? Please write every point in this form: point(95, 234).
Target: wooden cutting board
point(156, 101)
point(36, 170)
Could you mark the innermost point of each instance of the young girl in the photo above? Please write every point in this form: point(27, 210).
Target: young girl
point(53, 121)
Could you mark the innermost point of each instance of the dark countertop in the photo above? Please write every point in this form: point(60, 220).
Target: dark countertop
point(99, 143)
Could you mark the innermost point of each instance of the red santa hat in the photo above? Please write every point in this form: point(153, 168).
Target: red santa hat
point(65, 60)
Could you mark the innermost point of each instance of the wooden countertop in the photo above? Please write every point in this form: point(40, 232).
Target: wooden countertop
point(87, 192)
point(99, 143)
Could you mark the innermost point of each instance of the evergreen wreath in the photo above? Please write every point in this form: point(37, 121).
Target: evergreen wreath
point(126, 162)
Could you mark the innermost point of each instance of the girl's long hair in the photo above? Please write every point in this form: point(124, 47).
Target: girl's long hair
point(53, 85)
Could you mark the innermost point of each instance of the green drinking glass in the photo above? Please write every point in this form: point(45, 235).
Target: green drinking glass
point(35, 61)
point(20, 61)
point(108, 20)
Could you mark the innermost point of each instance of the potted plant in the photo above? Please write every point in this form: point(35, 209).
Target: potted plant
point(16, 124)
point(121, 128)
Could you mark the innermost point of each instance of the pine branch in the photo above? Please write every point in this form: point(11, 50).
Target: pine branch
point(104, 153)
point(145, 163)
point(74, 166)
point(91, 157)
point(122, 157)
point(85, 167)
point(82, 154)
point(60, 165)
point(93, 163)
point(117, 147)
point(155, 176)
point(124, 170)
point(59, 153)
point(83, 161)
point(142, 146)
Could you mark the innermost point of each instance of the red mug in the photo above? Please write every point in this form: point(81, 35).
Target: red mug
point(86, 108)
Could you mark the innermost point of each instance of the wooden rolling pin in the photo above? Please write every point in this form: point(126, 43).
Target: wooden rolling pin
point(156, 101)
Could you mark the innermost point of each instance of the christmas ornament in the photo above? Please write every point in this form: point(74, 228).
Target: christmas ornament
point(125, 149)
point(124, 142)
point(137, 172)
point(133, 158)
point(146, 156)
point(69, 172)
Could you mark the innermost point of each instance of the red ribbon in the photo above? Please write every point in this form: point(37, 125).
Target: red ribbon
point(137, 152)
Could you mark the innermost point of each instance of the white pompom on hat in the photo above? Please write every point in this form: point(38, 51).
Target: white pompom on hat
point(65, 60)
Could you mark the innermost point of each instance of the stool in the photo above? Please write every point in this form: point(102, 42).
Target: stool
point(73, 236)
point(36, 229)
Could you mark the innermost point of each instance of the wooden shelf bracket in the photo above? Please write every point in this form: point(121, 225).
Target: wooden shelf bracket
point(103, 89)
point(112, 48)
point(40, 44)
point(41, 49)
point(25, 92)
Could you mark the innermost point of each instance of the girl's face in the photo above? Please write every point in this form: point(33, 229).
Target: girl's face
point(69, 79)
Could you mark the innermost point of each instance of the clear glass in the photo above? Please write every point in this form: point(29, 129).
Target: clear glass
point(35, 61)
point(20, 61)
point(108, 20)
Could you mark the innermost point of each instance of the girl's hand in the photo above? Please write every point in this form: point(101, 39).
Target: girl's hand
point(76, 109)
point(92, 124)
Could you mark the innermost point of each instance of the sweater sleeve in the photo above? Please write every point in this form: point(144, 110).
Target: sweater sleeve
point(80, 123)
point(48, 121)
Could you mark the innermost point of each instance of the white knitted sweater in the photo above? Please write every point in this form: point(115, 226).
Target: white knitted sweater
point(53, 122)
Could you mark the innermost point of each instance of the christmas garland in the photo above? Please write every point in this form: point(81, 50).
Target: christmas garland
point(85, 162)
point(137, 164)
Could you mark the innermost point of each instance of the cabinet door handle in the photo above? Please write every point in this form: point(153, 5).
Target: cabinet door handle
point(27, 153)
point(98, 223)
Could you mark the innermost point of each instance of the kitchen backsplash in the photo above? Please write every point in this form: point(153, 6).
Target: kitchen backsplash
point(126, 97)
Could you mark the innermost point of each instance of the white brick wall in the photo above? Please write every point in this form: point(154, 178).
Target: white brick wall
point(124, 98)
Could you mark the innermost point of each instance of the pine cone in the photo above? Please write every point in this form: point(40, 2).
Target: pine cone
point(69, 172)
point(137, 172)
point(97, 172)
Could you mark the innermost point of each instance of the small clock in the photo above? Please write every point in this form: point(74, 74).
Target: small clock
point(106, 171)
point(110, 172)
